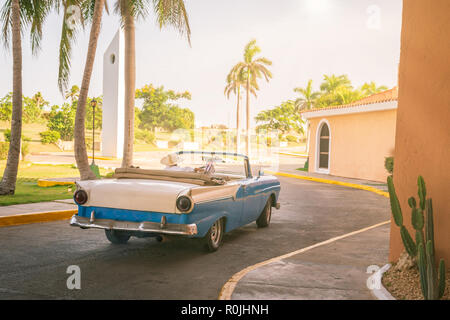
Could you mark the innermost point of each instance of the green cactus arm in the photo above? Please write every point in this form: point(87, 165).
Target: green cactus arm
point(431, 272)
point(429, 227)
point(412, 202)
point(441, 278)
point(408, 242)
point(417, 219)
point(422, 191)
point(395, 205)
point(423, 271)
point(419, 239)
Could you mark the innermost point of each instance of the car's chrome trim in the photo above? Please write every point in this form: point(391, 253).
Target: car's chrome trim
point(217, 199)
point(145, 226)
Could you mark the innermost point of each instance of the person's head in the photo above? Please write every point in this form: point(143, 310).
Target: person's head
point(171, 160)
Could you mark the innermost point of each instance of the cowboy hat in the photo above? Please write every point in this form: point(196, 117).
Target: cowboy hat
point(171, 159)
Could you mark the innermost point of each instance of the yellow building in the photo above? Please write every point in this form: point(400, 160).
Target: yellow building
point(353, 140)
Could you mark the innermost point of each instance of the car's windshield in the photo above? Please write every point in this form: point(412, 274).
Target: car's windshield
point(213, 162)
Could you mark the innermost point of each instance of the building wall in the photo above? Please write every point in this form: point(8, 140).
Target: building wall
point(359, 144)
point(113, 98)
point(423, 123)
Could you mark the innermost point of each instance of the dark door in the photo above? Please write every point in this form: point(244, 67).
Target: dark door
point(324, 147)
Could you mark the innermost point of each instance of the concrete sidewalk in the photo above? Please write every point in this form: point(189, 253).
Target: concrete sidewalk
point(292, 168)
point(18, 209)
point(334, 271)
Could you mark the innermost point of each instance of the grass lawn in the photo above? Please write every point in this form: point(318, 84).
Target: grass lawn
point(27, 190)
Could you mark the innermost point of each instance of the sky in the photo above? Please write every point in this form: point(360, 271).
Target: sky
point(304, 39)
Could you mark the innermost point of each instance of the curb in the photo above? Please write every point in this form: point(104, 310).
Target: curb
point(51, 183)
point(294, 154)
point(382, 293)
point(36, 217)
point(335, 182)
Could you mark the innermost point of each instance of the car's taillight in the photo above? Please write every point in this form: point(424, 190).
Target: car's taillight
point(184, 203)
point(80, 197)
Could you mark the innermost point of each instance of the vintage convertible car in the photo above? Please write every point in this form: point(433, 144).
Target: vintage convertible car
point(145, 203)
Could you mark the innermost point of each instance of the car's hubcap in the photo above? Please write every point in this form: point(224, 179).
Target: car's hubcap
point(215, 232)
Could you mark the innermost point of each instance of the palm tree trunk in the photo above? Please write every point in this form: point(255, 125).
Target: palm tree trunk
point(79, 131)
point(8, 183)
point(130, 88)
point(238, 120)
point(247, 144)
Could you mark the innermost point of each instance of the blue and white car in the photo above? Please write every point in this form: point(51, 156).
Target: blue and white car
point(152, 203)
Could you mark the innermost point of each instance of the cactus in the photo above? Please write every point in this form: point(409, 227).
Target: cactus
point(432, 284)
point(408, 242)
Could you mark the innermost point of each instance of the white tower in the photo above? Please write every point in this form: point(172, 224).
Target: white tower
point(113, 98)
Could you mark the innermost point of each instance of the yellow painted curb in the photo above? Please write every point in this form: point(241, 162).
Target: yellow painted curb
point(36, 217)
point(294, 154)
point(103, 158)
point(230, 285)
point(339, 183)
point(50, 183)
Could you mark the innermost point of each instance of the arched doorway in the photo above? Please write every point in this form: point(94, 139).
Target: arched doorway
point(323, 147)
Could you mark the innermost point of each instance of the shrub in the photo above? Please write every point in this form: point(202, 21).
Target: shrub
point(7, 135)
point(291, 138)
point(49, 136)
point(389, 164)
point(145, 135)
point(4, 147)
point(25, 150)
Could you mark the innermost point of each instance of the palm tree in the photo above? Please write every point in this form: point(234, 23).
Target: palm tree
point(253, 69)
point(15, 16)
point(370, 88)
point(234, 84)
point(73, 93)
point(168, 13)
point(306, 101)
point(331, 83)
point(307, 97)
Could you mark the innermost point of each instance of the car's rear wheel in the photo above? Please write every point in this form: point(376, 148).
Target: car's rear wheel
point(213, 238)
point(264, 218)
point(117, 236)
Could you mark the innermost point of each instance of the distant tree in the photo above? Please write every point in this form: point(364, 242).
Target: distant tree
point(62, 120)
point(370, 88)
point(234, 83)
point(6, 107)
point(252, 68)
point(33, 107)
point(284, 118)
point(73, 93)
point(159, 111)
point(307, 98)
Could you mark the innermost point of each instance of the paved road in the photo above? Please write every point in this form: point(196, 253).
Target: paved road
point(34, 258)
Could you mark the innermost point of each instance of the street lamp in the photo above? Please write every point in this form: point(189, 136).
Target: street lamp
point(93, 105)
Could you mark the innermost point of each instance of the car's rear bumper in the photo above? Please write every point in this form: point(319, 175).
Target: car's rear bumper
point(145, 226)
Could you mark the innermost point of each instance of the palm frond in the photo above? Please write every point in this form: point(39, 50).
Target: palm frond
point(172, 13)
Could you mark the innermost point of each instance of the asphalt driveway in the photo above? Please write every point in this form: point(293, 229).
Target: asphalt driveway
point(34, 258)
